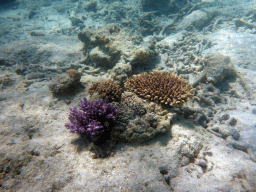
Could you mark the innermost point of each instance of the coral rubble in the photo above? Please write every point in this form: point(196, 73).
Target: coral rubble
point(164, 87)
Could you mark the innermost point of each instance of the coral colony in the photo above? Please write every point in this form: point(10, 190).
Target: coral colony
point(93, 119)
point(164, 87)
point(110, 89)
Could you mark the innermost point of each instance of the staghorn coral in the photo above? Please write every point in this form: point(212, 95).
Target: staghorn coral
point(94, 119)
point(164, 87)
point(109, 89)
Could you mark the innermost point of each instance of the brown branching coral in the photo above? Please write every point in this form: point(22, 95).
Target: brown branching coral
point(164, 87)
point(109, 89)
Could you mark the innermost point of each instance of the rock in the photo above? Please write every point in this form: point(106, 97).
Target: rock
point(238, 145)
point(121, 72)
point(100, 58)
point(2, 61)
point(37, 33)
point(31, 76)
point(31, 14)
point(85, 36)
point(227, 131)
point(91, 6)
point(65, 83)
point(20, 69)
point(184, 161)
point(224, 117)
point(143, 57)
point(218, 68)
point(196, 19)
point(164, 6)
point(140, 122)
point(76, 22)
point(233, 121)
point(201, 162)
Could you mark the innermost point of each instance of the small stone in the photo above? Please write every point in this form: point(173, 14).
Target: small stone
point(233, 121)
point(2, 61)
point(226, 131)
point(75, 21)
point(37, 33)
point(209, 166)
point(31, 76)
point(225, 117)
point(31, 14)
point(185, 161)
point(201, 163)
point(163, 171)
point(209, 153)
point(20, 70)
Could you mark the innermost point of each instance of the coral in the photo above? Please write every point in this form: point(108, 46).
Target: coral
point(121, 72)
point(77, 22)
point(130, 106)
point(6, 80)
point(141, 56)
point(94, 119)
point(101, 58)
point(164, 87)
point(109, 89)
point(74, 74)
point(240, 23)
point(138, 121)
point(144, 56)
point(100, 39)
point(85, 36)
point(113, 28)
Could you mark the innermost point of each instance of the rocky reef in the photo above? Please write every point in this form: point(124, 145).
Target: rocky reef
point(140, 121)
point(54, 53)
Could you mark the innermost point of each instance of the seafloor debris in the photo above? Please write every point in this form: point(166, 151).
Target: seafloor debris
point(241, 23)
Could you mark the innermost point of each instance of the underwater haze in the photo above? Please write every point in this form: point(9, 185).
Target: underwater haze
point(128, 95)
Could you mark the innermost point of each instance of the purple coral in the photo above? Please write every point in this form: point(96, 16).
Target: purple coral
point(93, 118)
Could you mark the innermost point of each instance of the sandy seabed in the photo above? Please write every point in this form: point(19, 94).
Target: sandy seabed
point(214, 150)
